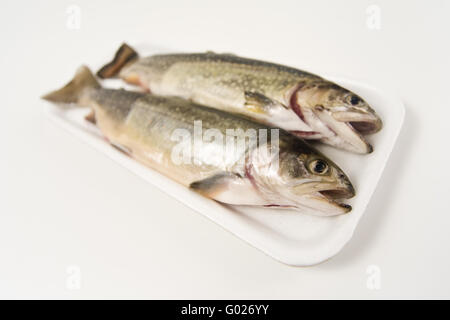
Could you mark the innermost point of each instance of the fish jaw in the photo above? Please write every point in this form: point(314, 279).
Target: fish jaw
point(345, 135)
point(363, 122)
point(324, 197)
point(286, 118)
point(320, 205)
point(339, 131)
point(319, 199)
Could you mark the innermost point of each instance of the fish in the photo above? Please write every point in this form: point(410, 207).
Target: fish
point(302, 103)
point(280, 171)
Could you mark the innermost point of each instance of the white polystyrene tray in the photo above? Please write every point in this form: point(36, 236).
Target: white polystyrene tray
point(288, 236)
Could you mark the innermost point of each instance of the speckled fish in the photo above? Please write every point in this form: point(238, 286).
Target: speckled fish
point(297, 101)
point(143, 125)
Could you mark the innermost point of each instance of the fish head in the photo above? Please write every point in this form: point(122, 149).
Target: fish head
point(346, 106)
point(307, 180)
point(343, 117)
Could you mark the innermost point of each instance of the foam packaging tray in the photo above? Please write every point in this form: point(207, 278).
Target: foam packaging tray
point(288, 236)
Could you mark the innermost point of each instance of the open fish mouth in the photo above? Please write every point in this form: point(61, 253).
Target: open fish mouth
point(333, 198)
point(326, 198)
point(363, 123)
point(338, 193)
point(326, 202)
point(349, 128)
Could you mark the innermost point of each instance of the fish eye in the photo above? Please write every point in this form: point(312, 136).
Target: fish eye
point(354, 100)
point(318, 166)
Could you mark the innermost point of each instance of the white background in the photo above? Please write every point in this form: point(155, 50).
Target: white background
point(64, 204)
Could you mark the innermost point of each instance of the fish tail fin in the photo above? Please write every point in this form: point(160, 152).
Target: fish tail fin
point(72, 92)
point(124, 55)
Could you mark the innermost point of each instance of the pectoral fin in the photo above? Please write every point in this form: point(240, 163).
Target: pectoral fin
point(229, 188)
point(257, 102)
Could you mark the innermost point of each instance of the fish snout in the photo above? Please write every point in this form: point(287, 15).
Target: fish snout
point(345, 189)
point(344, 134)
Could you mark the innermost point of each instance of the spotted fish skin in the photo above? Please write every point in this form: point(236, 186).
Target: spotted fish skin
point(219, 80)
point(300, 102)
